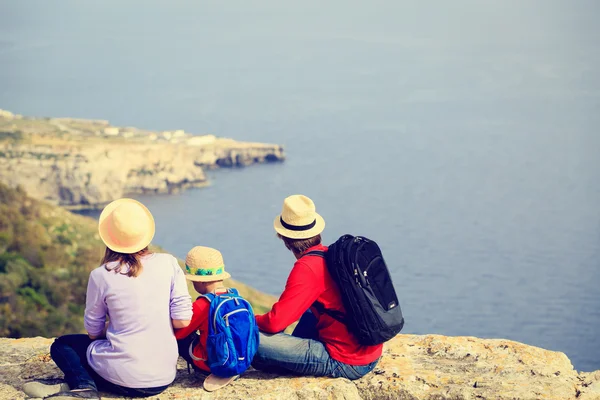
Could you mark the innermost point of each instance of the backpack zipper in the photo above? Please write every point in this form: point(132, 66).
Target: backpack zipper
point(217, 313)
point(227, 359)
point(226, 316)
point(371, 263)
point(360, 275)
point(225, 301)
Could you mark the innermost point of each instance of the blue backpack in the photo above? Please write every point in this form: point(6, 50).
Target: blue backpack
point(232, 334)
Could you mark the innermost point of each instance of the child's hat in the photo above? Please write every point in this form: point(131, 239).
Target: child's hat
point(204, 264)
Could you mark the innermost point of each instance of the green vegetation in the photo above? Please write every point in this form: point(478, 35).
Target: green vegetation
point(46, 255)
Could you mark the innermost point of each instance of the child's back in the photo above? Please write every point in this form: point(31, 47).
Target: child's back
point(222, 336)
point(192, 339)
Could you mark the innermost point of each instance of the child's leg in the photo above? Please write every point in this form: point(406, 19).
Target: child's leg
point(185, 345)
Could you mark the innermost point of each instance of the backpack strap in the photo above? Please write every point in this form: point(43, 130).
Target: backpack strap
point(337, 315)
point(208, 296)
point(318, 253)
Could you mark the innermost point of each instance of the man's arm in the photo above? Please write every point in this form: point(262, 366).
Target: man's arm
point(301, 290)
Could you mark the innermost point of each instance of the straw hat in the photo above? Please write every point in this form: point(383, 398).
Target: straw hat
point(298, 219)
point(204, 264)
point(126, 226)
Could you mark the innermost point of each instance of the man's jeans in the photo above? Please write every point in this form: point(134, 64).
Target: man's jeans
point(69, 354)
point(301, 354)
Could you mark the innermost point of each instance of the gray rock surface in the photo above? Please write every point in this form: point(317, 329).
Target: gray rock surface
point(413, 367)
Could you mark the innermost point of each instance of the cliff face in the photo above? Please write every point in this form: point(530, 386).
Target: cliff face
point(412, 367)
point(74, 162)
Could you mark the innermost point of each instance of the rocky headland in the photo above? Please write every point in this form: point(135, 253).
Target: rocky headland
point(413, 367)
point(86, 163)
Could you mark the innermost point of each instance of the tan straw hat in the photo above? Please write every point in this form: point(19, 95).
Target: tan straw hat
point(126, 226)
point(298, 219)
point(204, 264)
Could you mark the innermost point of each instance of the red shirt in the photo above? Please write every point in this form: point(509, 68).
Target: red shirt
point(200, 309)
point(310, 281)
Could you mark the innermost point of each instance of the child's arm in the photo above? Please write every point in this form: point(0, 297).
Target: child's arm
point(200, 310)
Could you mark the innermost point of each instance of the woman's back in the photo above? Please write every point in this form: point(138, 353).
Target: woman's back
point(140, 349)
point(143, 295)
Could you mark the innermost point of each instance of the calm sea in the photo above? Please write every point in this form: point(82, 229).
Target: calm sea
point(462, 136)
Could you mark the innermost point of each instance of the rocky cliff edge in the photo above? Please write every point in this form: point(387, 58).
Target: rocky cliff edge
point(413, 367)
point(86, 163)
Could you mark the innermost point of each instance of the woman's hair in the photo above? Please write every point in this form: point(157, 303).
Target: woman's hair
point(299, 246)
point(132, 260)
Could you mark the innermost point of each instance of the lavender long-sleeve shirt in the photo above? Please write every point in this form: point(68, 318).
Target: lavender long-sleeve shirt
point(140, 350)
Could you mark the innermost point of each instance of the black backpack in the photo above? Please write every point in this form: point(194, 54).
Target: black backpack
point(373, 313)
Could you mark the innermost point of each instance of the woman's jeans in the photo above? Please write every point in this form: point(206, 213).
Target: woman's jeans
point(301, 354)
point(69, 354)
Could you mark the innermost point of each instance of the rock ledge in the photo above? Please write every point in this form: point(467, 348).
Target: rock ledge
point(412, 367)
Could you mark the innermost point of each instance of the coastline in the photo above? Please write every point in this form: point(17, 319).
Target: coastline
point(84, 164)
point(99, 206)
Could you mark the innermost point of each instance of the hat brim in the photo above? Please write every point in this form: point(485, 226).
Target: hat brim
point(314, 231)
point(208, 278)
point(103, 228)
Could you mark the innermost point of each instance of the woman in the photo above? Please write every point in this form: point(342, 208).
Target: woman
point(320, 345)
point(134, 352)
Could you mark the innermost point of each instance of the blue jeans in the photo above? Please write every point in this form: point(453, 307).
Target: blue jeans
point(301, 354)
point(69, 354)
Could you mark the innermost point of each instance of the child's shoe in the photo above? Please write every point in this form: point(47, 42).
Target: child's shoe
point(214, 382)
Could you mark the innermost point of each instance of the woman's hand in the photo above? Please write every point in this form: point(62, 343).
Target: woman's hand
point(101, 335)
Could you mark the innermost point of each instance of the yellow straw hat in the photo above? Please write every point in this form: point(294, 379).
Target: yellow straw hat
point(204, 264)
point(298, 219)
point(126, 226)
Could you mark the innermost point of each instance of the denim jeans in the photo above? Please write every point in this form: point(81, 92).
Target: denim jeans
point(69, 354)
point(301, 354)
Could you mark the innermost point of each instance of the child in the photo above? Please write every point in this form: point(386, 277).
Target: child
point(205, 268)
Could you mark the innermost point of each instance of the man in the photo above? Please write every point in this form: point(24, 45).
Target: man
point(320, 345)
